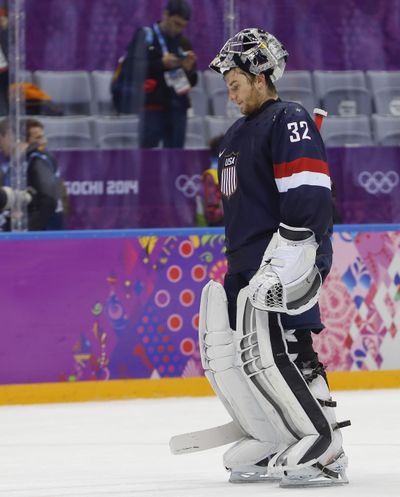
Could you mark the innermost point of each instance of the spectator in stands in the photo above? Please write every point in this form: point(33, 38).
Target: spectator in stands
point(41, 179)
point(36, 137)
point(213, 210)
point(161, 63)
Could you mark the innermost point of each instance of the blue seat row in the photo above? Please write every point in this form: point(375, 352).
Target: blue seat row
point(112, 132)
point(340, 93)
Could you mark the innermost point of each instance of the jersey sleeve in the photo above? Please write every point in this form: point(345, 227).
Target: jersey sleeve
point(301, 171)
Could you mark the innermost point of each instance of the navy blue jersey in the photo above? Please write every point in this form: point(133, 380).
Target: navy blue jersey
point(272, 168)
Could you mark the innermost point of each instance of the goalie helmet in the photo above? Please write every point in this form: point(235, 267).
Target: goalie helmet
point(254, 51)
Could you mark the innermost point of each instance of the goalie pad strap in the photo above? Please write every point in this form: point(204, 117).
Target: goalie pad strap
point(342, 424)
point(327, 403)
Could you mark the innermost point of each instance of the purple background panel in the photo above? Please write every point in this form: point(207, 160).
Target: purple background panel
point(127, 307)
point(132, 188)
point(367, 183)
point(159, 186)
point(345, 34)
point(94, 34)
point(48, 306)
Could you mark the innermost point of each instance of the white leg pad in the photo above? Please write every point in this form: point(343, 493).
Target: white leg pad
point(223, 368)
point(277, 381)
point(247, 451)
point(330, 468)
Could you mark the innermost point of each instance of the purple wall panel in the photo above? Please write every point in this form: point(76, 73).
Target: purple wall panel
point(345, 34)
point(156, 188)
point(367, 183)
point(124, 305)
point(87, 34)
point(132, 188)
point(53, 283)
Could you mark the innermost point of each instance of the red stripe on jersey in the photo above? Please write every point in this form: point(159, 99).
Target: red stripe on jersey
point(286, 169)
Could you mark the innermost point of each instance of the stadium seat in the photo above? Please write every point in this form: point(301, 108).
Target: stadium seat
point(199, 102)
point(219, 100)
point(297, 86)
point(213, 81)
point(69, 90)
point(200, 81)
point(117, 132)
point(26, 76)
point(64, 133)
point(214, 84)
point(343, 93)
point(222, 106)
point(195, 133)
point(347, 131)
point(386, 130)
point(218, 125)
point(385, 88)
point(102, 101)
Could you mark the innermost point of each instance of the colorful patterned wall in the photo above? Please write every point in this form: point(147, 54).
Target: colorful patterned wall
point(117, 305)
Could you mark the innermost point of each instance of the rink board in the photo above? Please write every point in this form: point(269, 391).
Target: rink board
point(167, 387)
point(114, 314)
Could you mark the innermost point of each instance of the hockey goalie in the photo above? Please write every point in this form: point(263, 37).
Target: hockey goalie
point(255, 331)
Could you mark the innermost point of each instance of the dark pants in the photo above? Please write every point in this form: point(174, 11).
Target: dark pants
point(166, 127)
point(4, 93)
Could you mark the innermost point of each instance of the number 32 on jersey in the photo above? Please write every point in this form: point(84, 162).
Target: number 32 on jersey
point(298, 131)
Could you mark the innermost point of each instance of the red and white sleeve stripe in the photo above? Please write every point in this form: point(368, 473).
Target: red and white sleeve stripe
point(303, 171)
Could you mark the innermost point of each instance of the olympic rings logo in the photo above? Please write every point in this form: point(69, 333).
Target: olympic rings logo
point(378, 181)
point(190, 186)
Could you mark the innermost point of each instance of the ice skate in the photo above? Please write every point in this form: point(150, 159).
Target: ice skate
point(317, 475)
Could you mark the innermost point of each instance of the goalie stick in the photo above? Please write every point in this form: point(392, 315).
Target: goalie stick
point(209, 438)
point(319, 115)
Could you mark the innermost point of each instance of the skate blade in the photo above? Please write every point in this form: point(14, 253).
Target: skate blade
point(318, 482)
point(252, 478)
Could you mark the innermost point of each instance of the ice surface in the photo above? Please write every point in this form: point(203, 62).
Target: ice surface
point(121, 449)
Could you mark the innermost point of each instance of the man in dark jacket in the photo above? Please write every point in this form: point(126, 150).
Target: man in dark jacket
point(155, 77)
point(40, 179)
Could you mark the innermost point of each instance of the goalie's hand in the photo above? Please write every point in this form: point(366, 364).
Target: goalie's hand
point(287, 262)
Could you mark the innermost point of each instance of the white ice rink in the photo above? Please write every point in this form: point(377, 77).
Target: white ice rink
point(121, 449)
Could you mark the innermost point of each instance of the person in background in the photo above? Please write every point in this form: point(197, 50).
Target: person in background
point(41, 178)
point(159, 67)
point(213, 210)
point(37, 141)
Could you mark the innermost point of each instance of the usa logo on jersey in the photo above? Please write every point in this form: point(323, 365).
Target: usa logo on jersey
point(228, 174)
